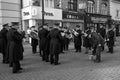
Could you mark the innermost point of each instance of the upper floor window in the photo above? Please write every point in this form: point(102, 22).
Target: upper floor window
point(72, 5)
point(49, 3)
point(104, 9)
point(90, 6)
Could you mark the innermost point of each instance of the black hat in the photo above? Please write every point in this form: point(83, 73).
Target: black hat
point(56, 24)
point(14, 23)
point(78, 26)
point(5, 25)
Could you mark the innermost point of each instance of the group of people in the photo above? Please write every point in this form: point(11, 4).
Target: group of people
point(11, 45)
point(52, 41)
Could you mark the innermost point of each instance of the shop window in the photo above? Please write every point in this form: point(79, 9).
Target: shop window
point(104, 9)
point(90, 6)
point(72, 5)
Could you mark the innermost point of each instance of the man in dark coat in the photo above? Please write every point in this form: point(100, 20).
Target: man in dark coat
point(110, 40)
point(15, 47)
point(3, 41)
point(78, 39)
point(43, 40)
point(34, 39)
point(102, 32)
point(55, 39)
point(87, 40)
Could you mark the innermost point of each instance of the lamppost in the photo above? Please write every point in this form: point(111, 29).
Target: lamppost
point(43, 12)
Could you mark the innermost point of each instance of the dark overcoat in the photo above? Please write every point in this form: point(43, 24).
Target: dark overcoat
point(78, 39)
point(55, 40)
point(15, 47)
point(43, 38)
point(110, 36)
point(3, 40)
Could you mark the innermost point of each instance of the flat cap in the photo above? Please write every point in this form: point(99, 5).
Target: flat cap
point(78, 26)
point(5, 25)
point(56, 24)
point(14, 23)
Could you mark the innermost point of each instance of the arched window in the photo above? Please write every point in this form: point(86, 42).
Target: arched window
point(90, 6)
point(104, 9)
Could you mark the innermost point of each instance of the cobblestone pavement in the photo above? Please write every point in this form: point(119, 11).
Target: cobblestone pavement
point(74, 66)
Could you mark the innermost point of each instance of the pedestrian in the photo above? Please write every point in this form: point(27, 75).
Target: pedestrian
point(78, 39)
point(3, 42)
point(110, 40)
point(43, 33)
point(15, 47)
point(55, 40)
point(34, 39)
point(102, 32)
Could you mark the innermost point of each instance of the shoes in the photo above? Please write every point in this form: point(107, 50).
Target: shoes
point(16, 72)
point(57, 63)
point(20, 69)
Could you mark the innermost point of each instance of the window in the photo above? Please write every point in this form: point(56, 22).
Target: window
point(104, 9)
point(36, 2)
point(49, 3)
point(90, 6)
point(72, 5)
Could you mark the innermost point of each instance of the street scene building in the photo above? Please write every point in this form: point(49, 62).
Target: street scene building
point(59, 40)
point(9, 11)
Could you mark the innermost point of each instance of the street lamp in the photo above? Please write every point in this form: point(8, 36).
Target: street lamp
point(43, 12)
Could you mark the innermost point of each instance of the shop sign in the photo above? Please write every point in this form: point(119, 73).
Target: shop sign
point(69, 15)
point(99, 20)
point(26, 13)
point(48, 14)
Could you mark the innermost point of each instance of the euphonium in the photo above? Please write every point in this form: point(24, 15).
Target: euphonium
point(34, 34)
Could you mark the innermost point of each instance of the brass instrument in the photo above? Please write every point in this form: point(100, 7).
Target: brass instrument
point(75, 32)
point(34, 35)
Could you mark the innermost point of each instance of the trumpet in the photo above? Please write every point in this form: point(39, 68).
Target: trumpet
point(75, 32)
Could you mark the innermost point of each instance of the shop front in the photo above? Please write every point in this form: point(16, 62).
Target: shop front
point(71, 19)
point(96, 20)
point(32, 16)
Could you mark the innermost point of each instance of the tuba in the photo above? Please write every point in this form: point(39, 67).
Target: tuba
point(34, 34)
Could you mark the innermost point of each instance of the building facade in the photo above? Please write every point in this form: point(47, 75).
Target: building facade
point(115, 13)
point(9, 11)
point(97, 13)
point(32, 13)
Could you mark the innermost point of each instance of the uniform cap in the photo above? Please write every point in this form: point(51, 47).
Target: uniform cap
point(77, 26)
point(5, 25)
point(56, 24)
point(14, 23)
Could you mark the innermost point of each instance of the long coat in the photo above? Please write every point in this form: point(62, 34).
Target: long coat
point(15, 47)
point(55, 40)
point(78, 39)
point(43, 38)
point(3, 40)
point(110, 36)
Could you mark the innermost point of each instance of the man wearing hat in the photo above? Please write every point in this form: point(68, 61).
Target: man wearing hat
point(55, 39)
point(43, 41)
point(15, 47)
point(3, 41)
point(78, 39)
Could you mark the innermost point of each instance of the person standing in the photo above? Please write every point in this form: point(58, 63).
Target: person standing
point(110, 40)
point(15, 47)
point(78, 39)
point(43, 41)
point(34, 39)
point(3, 42)
point(55, 40)
point(102, 32)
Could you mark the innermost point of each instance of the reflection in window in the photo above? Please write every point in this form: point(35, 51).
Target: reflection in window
point(104, 9)
point(90, 6)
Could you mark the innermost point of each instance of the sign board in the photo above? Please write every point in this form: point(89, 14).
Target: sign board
point(34, 12)
point(99, 20)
